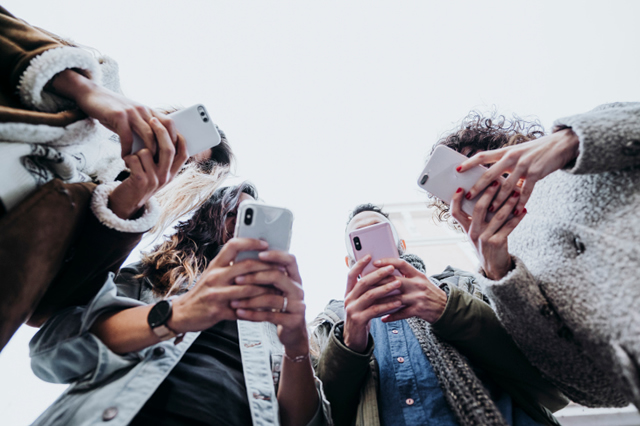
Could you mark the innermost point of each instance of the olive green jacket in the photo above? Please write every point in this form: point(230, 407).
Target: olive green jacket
point(350, 378)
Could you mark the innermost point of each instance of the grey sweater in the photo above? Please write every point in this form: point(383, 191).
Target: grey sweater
point(571, 301)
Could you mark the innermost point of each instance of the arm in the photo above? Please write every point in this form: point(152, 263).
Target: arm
point(472, 327)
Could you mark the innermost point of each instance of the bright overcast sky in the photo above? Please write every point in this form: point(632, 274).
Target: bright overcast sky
point(330, 104)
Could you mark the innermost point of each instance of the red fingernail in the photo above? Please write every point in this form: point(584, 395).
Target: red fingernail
point(515, 194)
point(459, 190)
point(458, 168)
point(491, 209)
point(515, 213)
point(524, 210)
point(468, 196)
point(495, 183)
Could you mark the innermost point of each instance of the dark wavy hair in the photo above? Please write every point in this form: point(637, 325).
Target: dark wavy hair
point(174, 264)
point(476, 133)
point(368, 207)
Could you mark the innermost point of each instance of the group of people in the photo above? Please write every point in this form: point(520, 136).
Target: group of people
point(188, 336)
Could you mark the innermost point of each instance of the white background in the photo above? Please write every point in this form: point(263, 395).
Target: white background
point(330, 104)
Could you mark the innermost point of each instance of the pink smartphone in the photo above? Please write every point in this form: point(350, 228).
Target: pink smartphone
point(376, 240)
point(440, 178)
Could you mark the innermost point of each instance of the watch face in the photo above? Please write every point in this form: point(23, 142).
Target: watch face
point(160, 313)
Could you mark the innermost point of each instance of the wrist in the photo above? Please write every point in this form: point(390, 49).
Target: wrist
point(177, 323)
point(72, 84)
point(437, 307)
point(122, 205)
point(357, 342)
point(569, 144)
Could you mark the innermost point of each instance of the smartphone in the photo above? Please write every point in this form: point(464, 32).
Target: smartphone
point(376, 240)
point(440, 178)
point(263, 222)
point(195, 125)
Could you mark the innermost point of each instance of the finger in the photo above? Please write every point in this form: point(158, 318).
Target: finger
point(355, 272)
point(233, 292)
point(166, 150)
point(402, 266)
point(285, 259)
point(146, 159)
point(371, 280)
point(276, 278)
point(509, 186)
point(501, 216)
point(168, 124)
point(269, 303)
point(511, 224)
point(374, 296)
point(480, 159)
point(279, 318)
point(404, 313)
point(483, 205)
point(246, 267)
point(380, 309)
point(126, 138)
point(138, 121)
point(234, 246)
point(525, 194)
point(181, 156)
point(456, 210)
point(134, 165)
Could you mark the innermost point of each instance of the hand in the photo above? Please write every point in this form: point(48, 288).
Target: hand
point(530, 161)
point(285, 277)
point(114, 111)
point(489, 238)
point(366, 299)
point(207, 303)
point(147, 177)
point(421, 297)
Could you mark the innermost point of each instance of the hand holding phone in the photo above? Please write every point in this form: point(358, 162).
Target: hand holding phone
point(440, 178)
point(195, 126)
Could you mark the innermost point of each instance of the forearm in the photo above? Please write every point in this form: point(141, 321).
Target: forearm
point(72, 85)
point(297, 395)
point(125, 331)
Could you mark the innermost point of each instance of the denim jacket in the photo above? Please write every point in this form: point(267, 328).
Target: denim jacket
point(107, 387)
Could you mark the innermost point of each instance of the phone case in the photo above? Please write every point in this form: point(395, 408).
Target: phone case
point(268, 223)
point(440, 178)
point(195, 125)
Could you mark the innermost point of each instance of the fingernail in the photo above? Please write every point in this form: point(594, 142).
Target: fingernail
point(264, 244)
point(389, 268)
point(241, 312)
point(491, 208)
point(234, 303)
point(153, 120)
point(240, 279)
point(495, 183)
point(459, 190)
point(458, 168)
point(263, 255)
point(524, 210)
point(468, 196)
point(377, 263)
point(516, 213)
point(515, 194)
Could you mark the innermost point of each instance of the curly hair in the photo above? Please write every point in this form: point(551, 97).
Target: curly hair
point(476, 133)
point(174, 264)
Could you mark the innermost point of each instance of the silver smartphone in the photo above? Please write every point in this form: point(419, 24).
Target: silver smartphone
point(440, 178)
point(195, 125)
point(263, 222)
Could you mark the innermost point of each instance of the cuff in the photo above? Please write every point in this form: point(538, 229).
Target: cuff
point(338, 339)
point(99, 206)
point(44, 67)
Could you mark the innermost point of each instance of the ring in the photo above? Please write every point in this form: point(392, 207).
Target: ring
point(284, 304)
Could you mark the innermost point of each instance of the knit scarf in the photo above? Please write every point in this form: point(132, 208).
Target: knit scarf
point(466, 395)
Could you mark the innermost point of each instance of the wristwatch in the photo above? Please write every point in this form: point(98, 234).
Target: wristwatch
point(158, 317)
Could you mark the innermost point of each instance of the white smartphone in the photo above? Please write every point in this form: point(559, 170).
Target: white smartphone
point(263, 222)
point(195, 125)
point(440, 178)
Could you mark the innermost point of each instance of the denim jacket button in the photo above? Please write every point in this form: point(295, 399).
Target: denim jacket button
point(109, 414)
point(159, 351)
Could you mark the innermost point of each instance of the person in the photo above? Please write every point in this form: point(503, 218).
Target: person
point(63, 127)
point(563, 282)
point(186, 336)
point(443, 356)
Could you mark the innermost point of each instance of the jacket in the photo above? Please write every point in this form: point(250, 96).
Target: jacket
point(571, 301)
point(468, 324)
point(51, 157)
point(106, 386)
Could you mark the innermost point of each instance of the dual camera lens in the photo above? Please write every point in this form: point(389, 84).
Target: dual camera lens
point(204, 116)
point(248, 217)
point(356, 243)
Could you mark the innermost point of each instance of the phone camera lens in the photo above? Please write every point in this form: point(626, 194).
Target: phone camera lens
point(248, 217)
point(424, 179)
point(202, 113)
point(205, 119)
point(356, 243)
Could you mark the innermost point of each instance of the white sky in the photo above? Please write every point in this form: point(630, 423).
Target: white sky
point(330, 104)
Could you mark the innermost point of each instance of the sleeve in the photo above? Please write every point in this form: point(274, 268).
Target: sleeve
point(64, 350)
point(609, 137)
point(545, 341)
point(30, 59)
point(342, 372)
point(100, 207)
point(472, 327)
